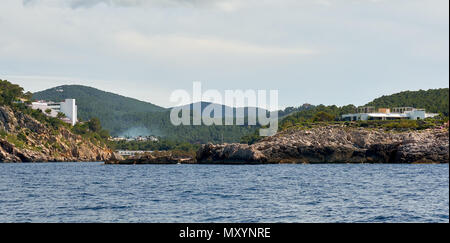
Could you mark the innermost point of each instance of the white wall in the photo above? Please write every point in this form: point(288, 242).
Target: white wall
point(69, 108)
point(43, 107)
point(415, 114)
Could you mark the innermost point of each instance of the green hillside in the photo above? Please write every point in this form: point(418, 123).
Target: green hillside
point(433, 100)
point(124, 116)
point(91, 101)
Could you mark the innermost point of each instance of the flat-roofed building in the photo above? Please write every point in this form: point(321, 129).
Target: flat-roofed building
point(402, 109)
point(366, 109)
point(384, 110)
point(399, 113)
point(131, 152)
point(52, 109)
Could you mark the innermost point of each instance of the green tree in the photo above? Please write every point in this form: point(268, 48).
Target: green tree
point(95, 125)
point(322, 116)
point(9, 92)
point(61, 115)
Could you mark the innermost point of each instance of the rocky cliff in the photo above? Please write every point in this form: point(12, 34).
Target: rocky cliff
point(336, 144)
point(24, 139)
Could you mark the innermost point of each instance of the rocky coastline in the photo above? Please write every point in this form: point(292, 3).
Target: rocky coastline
point(27, 140)
point(335, 144)
point(152, 158)
point(325, 144)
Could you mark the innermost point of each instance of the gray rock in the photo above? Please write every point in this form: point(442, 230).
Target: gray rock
point(336, 144)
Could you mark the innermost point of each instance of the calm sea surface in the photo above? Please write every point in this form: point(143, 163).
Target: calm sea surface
point(93, 192)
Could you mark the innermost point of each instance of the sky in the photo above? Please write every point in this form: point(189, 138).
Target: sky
point(312, 51)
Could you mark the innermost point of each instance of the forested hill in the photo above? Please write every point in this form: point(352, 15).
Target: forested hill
point(124, 116)
point(117, 113)
point(433, 100)
point(91, 101)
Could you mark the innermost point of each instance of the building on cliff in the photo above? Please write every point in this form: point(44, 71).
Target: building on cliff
point(397, 113)
point(68, 107)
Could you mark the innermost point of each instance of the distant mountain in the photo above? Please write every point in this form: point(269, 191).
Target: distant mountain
point(241, 112)
point(124, 116)
point(433, 100)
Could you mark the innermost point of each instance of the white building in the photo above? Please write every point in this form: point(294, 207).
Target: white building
point(137, 139)
point(70, 109)
point(131, 153)
point(67, 107)
point(397, 113)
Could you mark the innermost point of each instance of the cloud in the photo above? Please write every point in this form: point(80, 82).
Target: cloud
point(301, 46)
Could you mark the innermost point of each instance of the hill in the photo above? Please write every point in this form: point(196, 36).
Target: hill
point(92, 102)
point(124, 116)
point(433, 100)
point(240, 112)
point(119, 114)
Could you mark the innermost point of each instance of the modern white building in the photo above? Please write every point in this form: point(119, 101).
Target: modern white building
point(398, 113)
point(67, 107)
point(70, 109)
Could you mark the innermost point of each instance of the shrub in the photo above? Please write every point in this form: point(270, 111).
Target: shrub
point(22, 137)
point(3, 133)
point(322, 116)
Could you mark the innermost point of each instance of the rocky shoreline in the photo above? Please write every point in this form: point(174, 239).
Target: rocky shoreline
point(335, 144)
point(326, 144)
point(152, 158)
point(38, 143)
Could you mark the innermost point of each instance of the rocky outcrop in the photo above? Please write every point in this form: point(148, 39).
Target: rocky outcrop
point(336, 144)
point(24, 139)
point(152, 158)
point(230, 153)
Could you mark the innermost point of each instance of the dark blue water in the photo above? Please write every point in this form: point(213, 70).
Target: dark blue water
point(93, 192)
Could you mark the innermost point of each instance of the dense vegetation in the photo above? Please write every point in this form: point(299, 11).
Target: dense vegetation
point(433, 100)
point(161, 145)
point(10, 93)
point(319, 113)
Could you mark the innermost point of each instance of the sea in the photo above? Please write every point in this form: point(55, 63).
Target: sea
point(325, 193)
